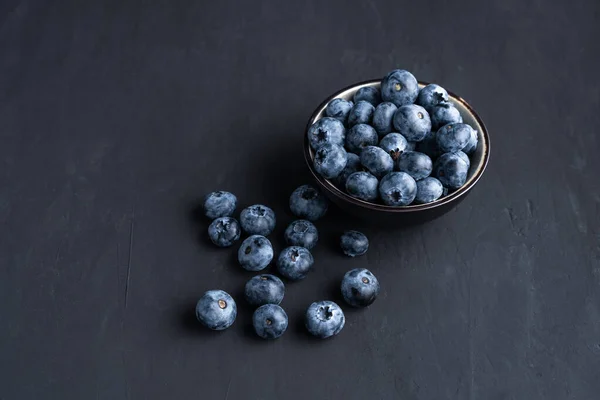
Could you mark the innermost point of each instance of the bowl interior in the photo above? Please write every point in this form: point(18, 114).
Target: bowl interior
point(478, 158)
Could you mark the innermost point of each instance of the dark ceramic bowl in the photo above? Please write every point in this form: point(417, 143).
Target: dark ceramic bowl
point(413, 214)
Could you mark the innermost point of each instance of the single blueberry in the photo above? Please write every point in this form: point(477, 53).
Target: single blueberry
point(382, 118)
point(360, 287)
point(339, 109)
point(444, 114)
point(362, 185)
point(269, 321)
point(431, 95)
point(308, 202)
point(258, 220)
point(464, 157)
point(301, 233)
point(361, 113)
point(472, 145)
point(451, 170)
point(264, 289)
point(326, 130)
point(417, 165)
point(399, 87)
point(330, 160)
point(394, 144)
point(412, 121)
point(376, 160)
point(324, 319)
point(453, 137)
point(397, 189)
point(216, 310)
point(255, 253)
point(361, 136)
point(224, 231)
point(294, 262)
point(429, 146)
point(352, 165)
point(369, 94)
point(219, 204)
point(354, 243)
point(428, 190)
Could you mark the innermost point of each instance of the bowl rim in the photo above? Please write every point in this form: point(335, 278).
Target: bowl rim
point(339, 194)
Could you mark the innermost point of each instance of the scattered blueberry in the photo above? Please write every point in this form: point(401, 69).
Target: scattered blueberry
point(224, 231)
point(330, 160)
point(429, 146)
point(354, 243)
point(264, 289)
point(451, 170)
point(216, 310)
point(369, 94)
point(394, 144)
point(360, 287)
point(301, 233)
point(257, 220)
point(269, 321)
point(444, 114)
point(255, 253)
point(464, 157)
point(428, 190)
point(294, 262)
point(219, 204)
point(361, 113)
point(472, 145)
point(417, 165)
point(376, 160)
point(397, 189)
point(412, 121)
point(399, 87)
point(431, 95)
point(362, 185)
point(453, 137)
point(361, 136)
point(339, 109)
point(382, 118)
point(326, 130)
point(324, 319)
point(352, 165)
point(308, 202)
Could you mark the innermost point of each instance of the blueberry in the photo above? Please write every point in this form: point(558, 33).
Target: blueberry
point(361, 136)
point(257, 220)
point(224, 231)
point(369, 94)
point(399, 87)
point(429, 146)
point(411, 146)
point(216, 310)
point(264, 289)
point(330, 160)
point(269, 321)
point(308, 202)
point(431, 95)
point(444, 114)
point(326, 130)
point(464, 157)
point(301, 233)
point(360, 287)
point(382, 118)
point(352, 165)
point(417, 165)
point(354, 243)
point(376, 160)
point(219, 204)
point(394, 144)
point(362, 185)
point(451, 170)
point(339, 109)
point(397, 189)
point(255, 253)
point(294, 262)
point(472, 145)
point(324, 319)
point(361, 113)
point(453, 137)
point(428, 190)
point(412, 121)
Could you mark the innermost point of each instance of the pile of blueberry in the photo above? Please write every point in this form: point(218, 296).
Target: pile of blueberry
point(217, 310)
point(398, 145)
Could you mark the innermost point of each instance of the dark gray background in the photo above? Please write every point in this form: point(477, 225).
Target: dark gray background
point(116, 117)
